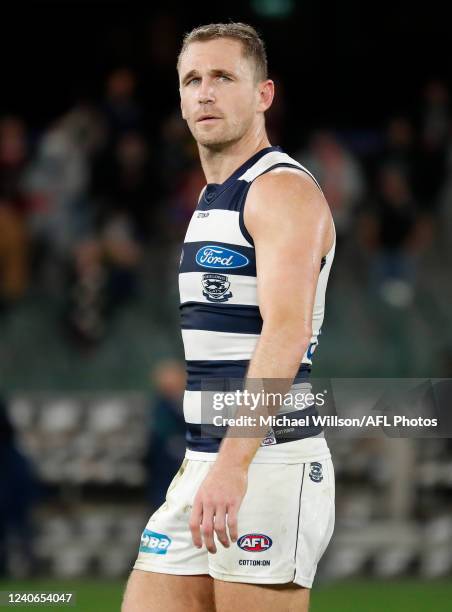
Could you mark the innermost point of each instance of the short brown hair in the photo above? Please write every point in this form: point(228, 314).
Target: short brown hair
point(252, 44)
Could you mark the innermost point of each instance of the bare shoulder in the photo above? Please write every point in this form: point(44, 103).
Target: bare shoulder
point(290, 200)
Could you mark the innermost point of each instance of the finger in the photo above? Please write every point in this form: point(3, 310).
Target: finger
point(207, 527)
point(233, 522)
point(220, 525)
point(196, 518)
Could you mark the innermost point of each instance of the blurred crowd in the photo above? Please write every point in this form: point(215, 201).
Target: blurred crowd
point(83, 201)
point(81, 473)
point(87, 468)
point(80, 202)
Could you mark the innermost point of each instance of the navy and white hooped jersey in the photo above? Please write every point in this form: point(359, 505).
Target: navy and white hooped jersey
point(220, 317)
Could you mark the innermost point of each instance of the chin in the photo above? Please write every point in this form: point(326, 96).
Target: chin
point(211, 142)
point(216, 141)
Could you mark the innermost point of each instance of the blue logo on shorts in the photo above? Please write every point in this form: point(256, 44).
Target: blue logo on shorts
point(153, 542)
point(316, 473)
point(219, 257)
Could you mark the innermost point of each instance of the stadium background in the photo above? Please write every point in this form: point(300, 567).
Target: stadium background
point(98, 176)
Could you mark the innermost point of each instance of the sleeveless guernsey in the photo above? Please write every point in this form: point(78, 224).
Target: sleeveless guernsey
point(220, 316)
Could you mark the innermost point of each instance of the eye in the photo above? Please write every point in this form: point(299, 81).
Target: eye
point(193, 80)
point(224, 77)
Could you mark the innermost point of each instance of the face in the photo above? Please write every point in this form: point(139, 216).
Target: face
point(220, 98)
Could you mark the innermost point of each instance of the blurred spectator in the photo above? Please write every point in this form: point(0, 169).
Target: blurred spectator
point(339, 175)
point(400, 148)
point(183, 175)
point(434, 128)
point(103, 275)
point(19, 491)
point(166, 445)
point(13, 160)
point(435, 120)
point(179, 151)
point(182, 202)
point(127, 181)
point(120, 108)
point(13, 255)
point(58, 180)
point(445, 204)
point(14, 270)
point(395, 234)
point(162, 41)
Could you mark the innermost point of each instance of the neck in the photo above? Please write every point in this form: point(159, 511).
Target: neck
point(219, 163)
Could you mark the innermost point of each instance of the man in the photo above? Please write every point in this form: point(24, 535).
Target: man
point(245, 522)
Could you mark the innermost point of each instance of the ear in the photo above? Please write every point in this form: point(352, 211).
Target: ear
point(266, 94)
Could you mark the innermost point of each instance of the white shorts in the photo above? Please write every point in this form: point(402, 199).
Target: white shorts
point(285, 524)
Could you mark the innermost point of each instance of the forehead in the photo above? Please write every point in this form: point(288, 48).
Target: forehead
point(219, 53)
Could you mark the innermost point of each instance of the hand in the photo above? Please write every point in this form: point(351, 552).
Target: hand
point(218, 501)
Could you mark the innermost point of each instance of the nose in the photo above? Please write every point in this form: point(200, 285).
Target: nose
point(206, 92)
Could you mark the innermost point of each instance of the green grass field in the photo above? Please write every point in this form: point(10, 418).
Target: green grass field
point(350, 596)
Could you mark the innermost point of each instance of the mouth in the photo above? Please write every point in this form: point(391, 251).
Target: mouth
point(208, 119)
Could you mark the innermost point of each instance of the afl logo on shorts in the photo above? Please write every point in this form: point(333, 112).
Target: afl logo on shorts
point(316, 473)
point(254, 542)
point(216, 287)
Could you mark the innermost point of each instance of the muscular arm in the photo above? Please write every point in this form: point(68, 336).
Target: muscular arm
point(290, 223)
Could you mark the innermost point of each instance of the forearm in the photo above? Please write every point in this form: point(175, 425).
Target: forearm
point(276, 358)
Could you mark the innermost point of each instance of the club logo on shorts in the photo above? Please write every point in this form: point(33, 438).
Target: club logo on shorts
point(316, 473)
point(216, 287)
point(153, 542)
point(254, 542)
point(219, 257)
point(269, 439)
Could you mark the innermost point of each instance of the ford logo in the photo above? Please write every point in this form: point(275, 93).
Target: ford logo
point(219, 257)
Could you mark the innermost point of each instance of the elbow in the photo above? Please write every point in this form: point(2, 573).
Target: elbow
point(294, 336)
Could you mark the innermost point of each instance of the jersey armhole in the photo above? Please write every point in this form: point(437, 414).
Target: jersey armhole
point(242, 225)
point(201, 194)
point(245, 232)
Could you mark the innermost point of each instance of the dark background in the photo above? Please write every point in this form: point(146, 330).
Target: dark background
point(344, 63)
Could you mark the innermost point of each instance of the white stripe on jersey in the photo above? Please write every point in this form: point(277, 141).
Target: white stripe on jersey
point(192, 406)
point(267, 162)
point(203, 345)
point(222, 224)
point(243, 288)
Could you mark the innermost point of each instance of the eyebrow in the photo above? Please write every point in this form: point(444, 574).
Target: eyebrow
point(214, 72)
